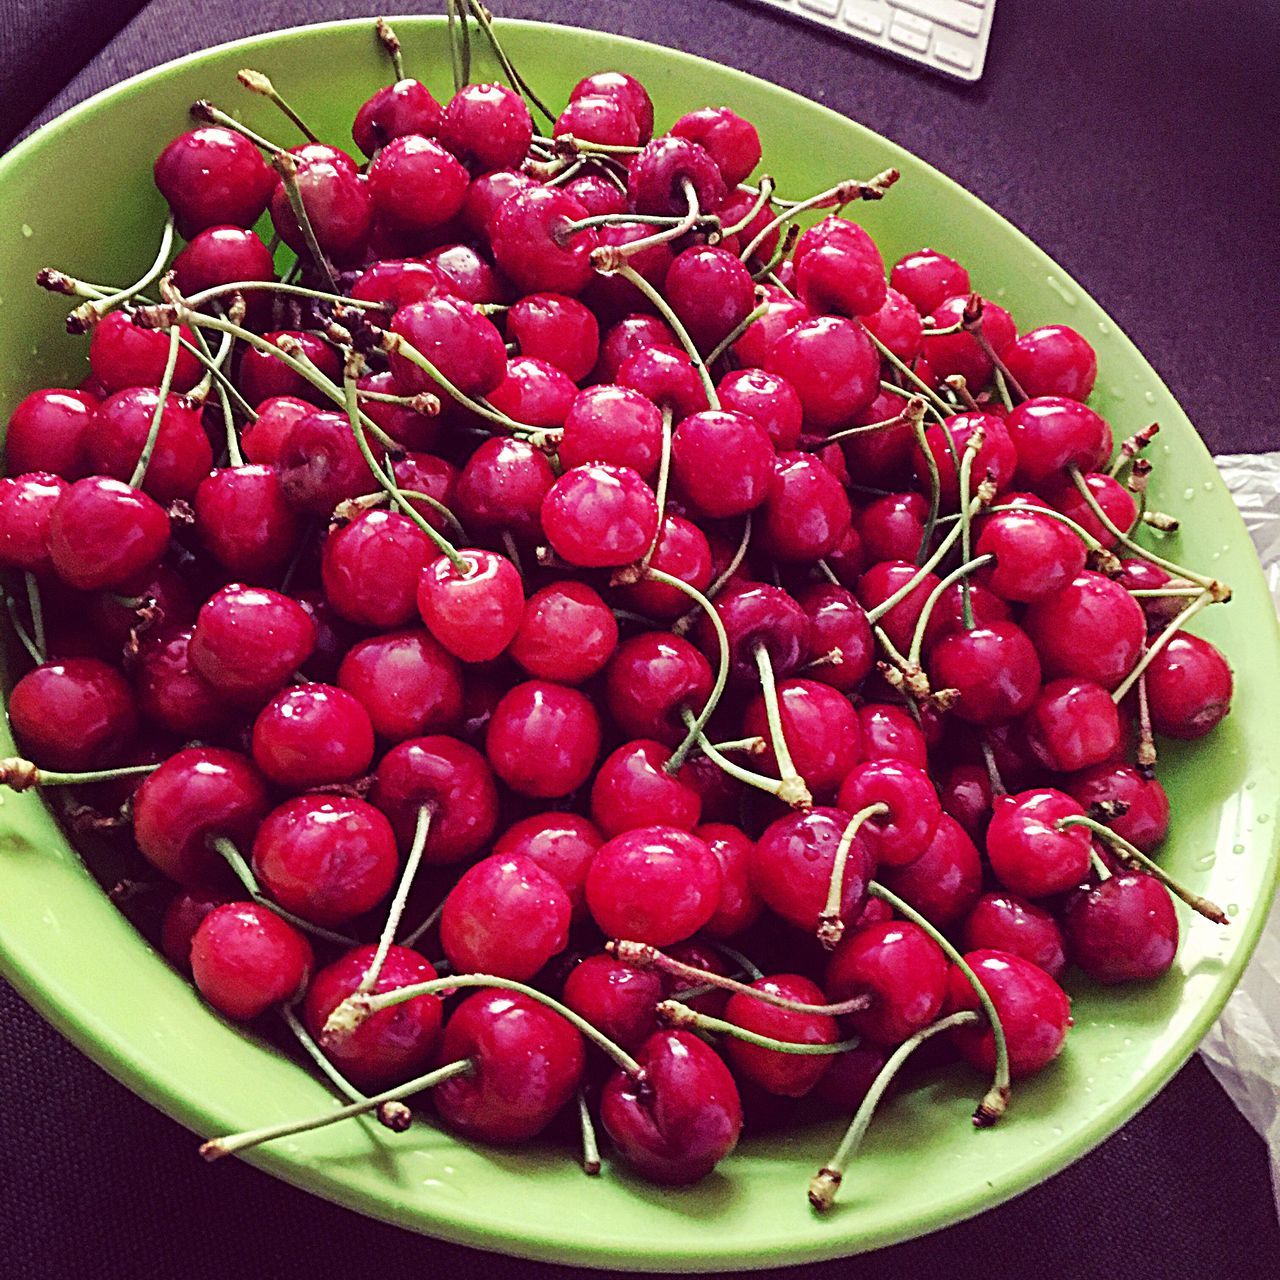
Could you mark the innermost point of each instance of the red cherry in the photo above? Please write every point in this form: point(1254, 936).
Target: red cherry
point(832, 366)
point(806, 512)
point(533, 246)
point(395, 110)
point(505, 916)
point(885, 579)
point(245, 959)
point(769, 400)
point(786, 1074)
point(961, 353)
point(1003, 922)
point(615, 425)
point(543, 739)
point(476, 615)
point(211, 176)
point(464, 346)
point(182, 917)
point(994, 668)
point(263, 377)
point(927, 278)
point(600, 515)
point(889, 733)
point(892, 527)
point(898, 326)
point(838, 628)
point(615, 998)
point(632, 785)
point(997, 456)
point(792, 861)
point(1123, 930)
point(610, 295)
point(839, 269)
point(657, 175)
point(596, 193)
point(711, 292)
point(464, 273)
point(73, 715)
point(390, 1046)
point(597, 118)
point(312, 735)
point(1189, 687)
point(453, 780)
point(627, 89)
point(1053, 361)
point(965, 792)
point(880, 457)
point(244, 521)
point(682, 550)
point(1115, 500)
point(320, 464)
point(1145, 821)
point(399, 282)
point(731, 141)
point(821, 729)
point(562, 844)
point(1073, 724)
point(723, 462)
point(197, 793)
point(902, 834)
point(182, 455)
point(1035, 556)
point(171, 693)
point(488, 126)
point(427, 474)
point(47, 432)
point(944, 882)
point(783, 313)
point(650, 679)
point(741, 206)
point(337, 202)
point(1092, 629)
point(755, 615)
point(1052, 433)
point(486, 193)
point(416, 184)
point(502, 486)
point(740, 906)
point(407, 683)
point(1033, 1010)
point(557, 329)
point(665, 376)
point(372, 566)
point(103, 534)
point(26, 508)
point(526, 1059)
point(224, 255)
point(567, 633)
point(1028, 852)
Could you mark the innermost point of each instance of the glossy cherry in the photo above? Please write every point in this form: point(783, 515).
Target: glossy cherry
point(562, 844)
point(682, 550)
point(723, 462)
point(840, 649)
point(832, 366)
point(1092, 629)
point(502, 486)
point(474, 615)
point(487, 126)
point(245, 522)
point(407, 682)
point(615, 998)
point(337, 202)
point(1028, 852)
point(212, 176)
point(995, 669)
point(312, 735)
point(558, 329)
point(393, 111)
point(1052, 433)
point(658, 173)
point(806, 510)
point(1053, 361)
point(632, 785)
point(47, 432)
point(1145, 820)
point(890, 733)
point(171, 694)
point(1189, 687)
point(103, 534)
point(615, 425)
point(245, 959)
point(785, 1074)
point(1073, 724)
point(944, 882)
point(533, 245)
point(650, 679)
point(899, 836)
point(73, 715)
point(372, 566)
point(460, 342)
point(599, 515)
point(543, 739)
point(1005, 922)
point(757, 615)
point(821, 729)
point(1122, 930)
point(416, 184)
point(667, 377)
point(1035, 556)
point(26, 507)
point(182, 918)
point(928, 277)
point(1116, 501)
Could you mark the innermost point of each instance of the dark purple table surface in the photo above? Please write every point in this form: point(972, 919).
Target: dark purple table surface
point(1138, 143)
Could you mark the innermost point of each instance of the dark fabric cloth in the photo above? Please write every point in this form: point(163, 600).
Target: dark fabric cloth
point(1139, 144)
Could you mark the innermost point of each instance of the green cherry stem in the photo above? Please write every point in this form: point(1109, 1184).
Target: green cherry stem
point(485, 20)
point(830, 921)
point(216, 1148)
point(911, 412)
point(678, 1015)
point(19, 775)
point(390, 42)
point(763, 194)
point(922, 625)
point(664, 480)
point(261, 84)
point(36, 608)
point(396, 910)
point(278, 286)
point(153, 432)
point(1204, 599)
point(203, 111)
point(287, 167)
point(316, 1054)
point(683, 623)
point(587, 1128)
point(794, 791)
point(971, 449)
point(85, 314)
point(1131, 853)
point(20, 630)
point(826, 1182)
point(996, 1101)
point(762, 782)
point(736, 332)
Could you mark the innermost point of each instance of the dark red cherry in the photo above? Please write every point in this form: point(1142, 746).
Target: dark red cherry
point(731, 141)
point(398, 282)
point(182, 917)
point(615, 425)
point(1142, 575)
point(526, 1059)
point(885, 579)
point(73, 715)
point(792, 861)
point(1092, 629)
point(806, 511)
point(562, 844)
point(334, 636)
point(899, 836)
point(1052, 433)
point(1189, 687)
point(486, 193)
point(632, 785)
point(338, 206)
point(327, 859)
point(48, 432)
point(961, 353)
point(197, 793)
point(965, 792)
point(502, 487)
point(261, 441)
point(225, 255)
point(249, 640)
point(1053, 361)
point(788, 1075)
point(839, 269)
point(740, 905)
point(103, 534)
point(881, 457)
point(599, 515)
point(682, 550)
point(244, 521)
point(650, 679)
point(1145, 820)
point(783, 313)
point(181, 455)
point(757, 614)
point(898, 326)
point(832, 366)
point(610, 295)
point(211, 176)
point(1033, 1010)
point(312, 735)
point(416, 184)
point(821, 729)
point(890, 733)
point(393, 111)
point(1073, 724)
point(901, 968)
point(627, 89)
point(557, 329)
point(766, 398)
point(432, 477)
point(711, 292)
point(658, 173)
point(840, 651)
point(567, 633)
point(995, 670)
point(543, 739)
point(1122, 930)
point(474, 615)
point(505, 916)
point(534, 246)
point(26, 508)
point(1003, 922)
point(407, 683)
point(615, 998)
point(466, 274)
point(1116, 501)
point(723, 462)
point(667, 377)
point(462, 344)
point(927, 278)
point(1035, 556)
point(453, 781)
point(1028, 852)
point(122, 354)
point(371, 568)
point(683, 1120)
point(263, 376)
point(996, 457)
point(741, 207)
point(245, 959)
point(390, 1046)
point(597, 118)
point(487, 126)
point(597, 194)
point(944, 882)
point(171, 693)
point(892, 527)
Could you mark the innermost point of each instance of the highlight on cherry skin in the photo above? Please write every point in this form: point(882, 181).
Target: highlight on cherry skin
point(558, 574)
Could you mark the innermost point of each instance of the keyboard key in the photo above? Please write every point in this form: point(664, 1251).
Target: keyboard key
point(863, 16)
point(954, 55)
point(949, 13)
point(828, 7)
point(910, 32)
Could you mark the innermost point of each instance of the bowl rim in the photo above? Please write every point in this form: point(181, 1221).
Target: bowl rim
point(79, 1021)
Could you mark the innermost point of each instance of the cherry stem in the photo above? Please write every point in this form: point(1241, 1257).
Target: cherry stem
point(261, 84)
point(36, 608)
point(971, 321)
point(391, 43)
point(996, 1101)
point(590, 1147)
point(830, 921)
point(664, 479)
point(736, 332)
point(566, 143)
point(960, 389)
point(935, 402)
point(20, 630)
point(1131, 853)
point(675, 1014)
point(912, 412)
point(19, 775)
point(518, 82)
point(640, 955)
point(296, 351)
point(767, 273)
point(244, 873)
point(794, 791)
point(387, 481)
point(993, 770)
point(431, 920)
point(1100, 868)
point(357, 1007)
point(683, 624)
point(205, 112)
point(696, 724)
point(1219, 591)
point(1131, 447)
point(644, 219)
point(316, 1054)
point(744, 963)
point(459, 43)
point(216, 1148)
point(826, 1182)
point(753, 746)
point(839, 195)
point(227, 391)
point(153, 432)
point(763, 194)
point(278, 286)
point(621, 268)
point(972, 446)
point(396, 910)
point(1146, 754)
point(85, 314)
point(963, 571)
point(1204, 599)
point(287, 167)
point(773, 786)
point(199, 394)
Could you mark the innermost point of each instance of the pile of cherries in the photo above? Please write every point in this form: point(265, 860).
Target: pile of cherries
point(569, 542)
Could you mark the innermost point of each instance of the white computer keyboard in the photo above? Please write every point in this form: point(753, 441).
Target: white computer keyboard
point(944, 35)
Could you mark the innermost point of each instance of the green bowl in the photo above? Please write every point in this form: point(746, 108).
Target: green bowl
point(78, 195)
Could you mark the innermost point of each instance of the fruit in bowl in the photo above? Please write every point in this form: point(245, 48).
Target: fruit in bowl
point(537, 561)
